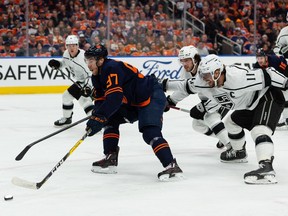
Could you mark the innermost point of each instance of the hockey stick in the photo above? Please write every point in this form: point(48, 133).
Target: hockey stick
point(180, 109)
point(27, 184)
point(24, 151)
point(65, 75)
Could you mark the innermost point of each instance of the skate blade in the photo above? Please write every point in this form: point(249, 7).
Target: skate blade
point(244, 160)
point(108, 170)
point(168, 178)
point(268, 179)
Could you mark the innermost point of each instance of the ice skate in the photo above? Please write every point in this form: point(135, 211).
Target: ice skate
point(234, 156)
point(282, 124)
point(63, 121)
point(108, 165)
point(171, 171)
point(264, 175)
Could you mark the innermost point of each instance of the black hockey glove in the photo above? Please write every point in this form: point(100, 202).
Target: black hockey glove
point(198, 111)
point(54, 64)
point(95, 124)
point(86, 91)
point(164, 84)
point(169, 103)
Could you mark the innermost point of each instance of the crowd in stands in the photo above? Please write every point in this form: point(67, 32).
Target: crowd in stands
point(136, 27)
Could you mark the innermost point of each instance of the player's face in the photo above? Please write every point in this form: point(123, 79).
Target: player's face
point(262, 61)
point(207, 77)
point(92, 65)
point(187, 64)
point(72, 49)
point(215, 80)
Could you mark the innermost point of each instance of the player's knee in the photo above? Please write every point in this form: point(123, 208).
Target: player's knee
point(201, 127)
point(231, 126)
point(261, 132)
point(212, 119)
point(151, 132)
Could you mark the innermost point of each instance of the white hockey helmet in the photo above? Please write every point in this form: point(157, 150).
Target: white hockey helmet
point(208, 65)
point(71, 39)
point(188, 52)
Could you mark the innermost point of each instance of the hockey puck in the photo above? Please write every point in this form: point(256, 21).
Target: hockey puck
point(8, 197)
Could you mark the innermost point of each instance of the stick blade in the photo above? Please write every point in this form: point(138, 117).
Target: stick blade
point(22, 153)
point(23, 183)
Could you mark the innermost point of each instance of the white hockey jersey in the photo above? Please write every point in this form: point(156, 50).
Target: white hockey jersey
point(77, 66)
point(281, 45)
point(242, 88)
point(178, 94)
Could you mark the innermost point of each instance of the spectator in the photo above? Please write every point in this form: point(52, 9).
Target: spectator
point(202, 50)
point(7, 52)
point(22, 50)
point(40, 52)
point(50, 44)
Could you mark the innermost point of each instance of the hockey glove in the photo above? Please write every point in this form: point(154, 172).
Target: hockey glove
point(54, 64)
point(86, 91)
point(169, 103)
point(198, 111)
point(95, 124)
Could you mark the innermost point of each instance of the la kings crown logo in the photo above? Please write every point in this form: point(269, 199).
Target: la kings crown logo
point(224, 100)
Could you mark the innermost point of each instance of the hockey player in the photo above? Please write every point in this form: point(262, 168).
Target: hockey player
point(123, 94)
point(280, 64)
point(73, 59)
point(257, 106)
point(190, 59)
point(281, 45)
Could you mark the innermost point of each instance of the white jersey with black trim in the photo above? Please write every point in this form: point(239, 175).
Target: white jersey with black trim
point(182, 88)
point(281, 45)
point(77, 66)
point(242, 88)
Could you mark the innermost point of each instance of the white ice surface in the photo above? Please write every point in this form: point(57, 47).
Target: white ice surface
point(210, 187)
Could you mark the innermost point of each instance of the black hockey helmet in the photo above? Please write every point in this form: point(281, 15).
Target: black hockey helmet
point(260, 53)
point(96, 51)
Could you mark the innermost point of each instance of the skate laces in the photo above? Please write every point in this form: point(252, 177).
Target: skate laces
point(231, 153)
point(170, 166)
point(264, 163)
point(62, 120)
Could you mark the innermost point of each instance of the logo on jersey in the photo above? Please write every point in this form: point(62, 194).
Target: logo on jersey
point(224, 100)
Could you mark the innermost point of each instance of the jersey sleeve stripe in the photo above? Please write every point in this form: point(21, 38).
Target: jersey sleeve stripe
point(113, 90)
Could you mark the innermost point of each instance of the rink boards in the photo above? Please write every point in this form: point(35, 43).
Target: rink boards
point(33, 75)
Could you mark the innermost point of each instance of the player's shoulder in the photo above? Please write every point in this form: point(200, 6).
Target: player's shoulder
point(66, 54)
point(235, 74)
point(236, 69)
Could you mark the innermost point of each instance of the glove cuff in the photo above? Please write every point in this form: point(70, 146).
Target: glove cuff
point(170, 101)
point(99, 118)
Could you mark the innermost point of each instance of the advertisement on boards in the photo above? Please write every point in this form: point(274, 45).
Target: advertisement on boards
point(33, 75)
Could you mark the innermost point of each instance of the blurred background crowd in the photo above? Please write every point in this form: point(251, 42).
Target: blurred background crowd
point(140, 27)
